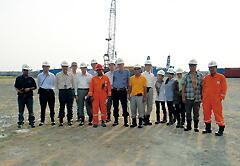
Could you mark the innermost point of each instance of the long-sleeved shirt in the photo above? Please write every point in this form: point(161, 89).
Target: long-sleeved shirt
point(160, 88)
point(100, 86)
point(64, 81)
point(46, 81)
point(82, 81)
point(121, 79)
point(150, 78)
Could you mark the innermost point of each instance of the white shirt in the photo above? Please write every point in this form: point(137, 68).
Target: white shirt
point(82, 81)
point(161, 96)
point(150, 78)
point(48, 83)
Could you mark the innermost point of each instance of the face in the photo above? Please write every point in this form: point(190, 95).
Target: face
point(120, 66)
point(99, 71)
point(94, 65)
point(83, 69)
point(46, 68)
point(137, 71)
point(112, 66)
point(74, 68)
point(160, 77)
point(193, 68)
point(213, 70)
point(25, 72)
point(64, 68)
point(170, 76)
point(148, 67)
point(179, 75)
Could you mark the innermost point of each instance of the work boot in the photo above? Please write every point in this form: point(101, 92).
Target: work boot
point(95, 126)
point(140, 125)
point(170, 121)
point(220, 131)
point(41, 123)
point(207, 128)
point(60, 122)
point(134, 123)
point(32, 125)
point(19, 126)
point(178, 125)
point(115, 122)
point(182, 124)
point(81, 121)
point(108, 118)
point(148, 120)
point(145, 120)
point(126, 121)
point(158, 118)
point(90, 121)
point(189, 125)
point(103, 124)
point(196, 126)
point(70, 123)
point(53, 123)
point(164, 119)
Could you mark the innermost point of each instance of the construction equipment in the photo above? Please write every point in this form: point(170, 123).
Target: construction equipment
point(111, 54)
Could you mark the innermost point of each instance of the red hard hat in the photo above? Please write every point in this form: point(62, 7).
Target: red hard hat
point(99, 67)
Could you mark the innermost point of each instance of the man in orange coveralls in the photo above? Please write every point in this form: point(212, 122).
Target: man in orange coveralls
point(100, 93)
point(214, 91)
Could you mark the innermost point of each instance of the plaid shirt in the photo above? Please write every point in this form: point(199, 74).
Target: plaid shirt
point(189, 92)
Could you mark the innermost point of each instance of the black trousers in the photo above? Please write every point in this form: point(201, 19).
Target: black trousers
point(109, 106)
point(28, 101)
point(180, 111)
point(122, 96)
point(171, 110)
point(66, 97)
point(47, 97)
point(157, 103)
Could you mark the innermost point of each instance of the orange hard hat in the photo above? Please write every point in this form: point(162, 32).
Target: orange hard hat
point(99, 67)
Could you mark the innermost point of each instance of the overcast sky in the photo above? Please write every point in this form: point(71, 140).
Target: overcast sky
point(32, 31)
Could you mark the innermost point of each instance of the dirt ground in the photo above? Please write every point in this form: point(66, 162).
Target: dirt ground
point(153, 145)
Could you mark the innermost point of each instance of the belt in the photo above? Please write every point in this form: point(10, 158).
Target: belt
point(83, 88)
point(66, 89)
point(139, 94)
point(119, 89)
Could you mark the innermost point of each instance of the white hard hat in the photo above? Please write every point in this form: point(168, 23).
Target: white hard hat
point(74, 64)
point(112, 62)
point(83, 65)
point(120, 61)
point(193, 62)
point(170, 71)
point(148, 62)
point(212, 64)
point(25, 67)
point(64, 63)
point(137, 66)
point(161, 72)
point(179, 71)
point(93, 61)
point(45, 63)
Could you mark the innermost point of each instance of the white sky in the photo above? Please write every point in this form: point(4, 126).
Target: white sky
point(32, 31)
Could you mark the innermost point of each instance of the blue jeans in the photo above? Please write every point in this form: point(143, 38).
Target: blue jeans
point(28, 101)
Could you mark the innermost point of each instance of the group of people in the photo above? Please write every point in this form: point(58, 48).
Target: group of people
point(99, 91)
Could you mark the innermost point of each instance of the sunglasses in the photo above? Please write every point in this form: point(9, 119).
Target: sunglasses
point(137, 69)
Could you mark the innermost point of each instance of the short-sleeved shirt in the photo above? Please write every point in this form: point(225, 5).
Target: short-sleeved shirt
point(137, 84)
point(121, 79)
point(150, 79)
point(65, 81)
point(190, 92)
point(46, 81)
point(21, 83)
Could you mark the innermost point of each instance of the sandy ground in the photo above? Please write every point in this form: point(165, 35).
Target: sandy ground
point(153, 145)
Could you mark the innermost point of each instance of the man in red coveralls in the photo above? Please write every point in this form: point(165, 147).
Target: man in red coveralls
point(214, 91)
point(100, 93)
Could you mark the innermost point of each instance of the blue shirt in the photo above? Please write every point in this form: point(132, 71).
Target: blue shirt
point(110, 76)
point(169, 90)
point(121, 79)
point(46, 81)
point(92, 72)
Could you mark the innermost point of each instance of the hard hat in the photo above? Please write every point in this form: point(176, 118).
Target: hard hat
point(74, 64)
point(137, 66)
point(193, 62)
point(179, 71)
point(45, 63)
point(120, 61)
point(25, 67)
point(161, 72)
point(170, 71)
point(83, 65)
point(64, 63)
point(112, 62)
point(93, 61)
point(212, 64)
point(99, 67)
point(148, 62)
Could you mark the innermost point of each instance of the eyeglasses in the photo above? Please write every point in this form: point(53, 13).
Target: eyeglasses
point(136, 68)
point(25, 70)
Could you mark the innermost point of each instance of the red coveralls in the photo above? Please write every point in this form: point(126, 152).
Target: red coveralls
point(100, 89)
point(214, 90)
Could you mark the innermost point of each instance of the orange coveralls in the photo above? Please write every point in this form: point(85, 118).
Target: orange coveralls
point(100, 89)
point(213, 91)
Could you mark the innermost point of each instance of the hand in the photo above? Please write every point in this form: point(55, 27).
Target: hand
point(109, 98)
point(144, 99)
point(129, 98)
point(19, 91)
point(183, 99)
point(27, 89)
point(76, 97)
point(91, 99)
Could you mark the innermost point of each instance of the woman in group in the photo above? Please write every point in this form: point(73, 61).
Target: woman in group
point(171, 86)
point(160, 97)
